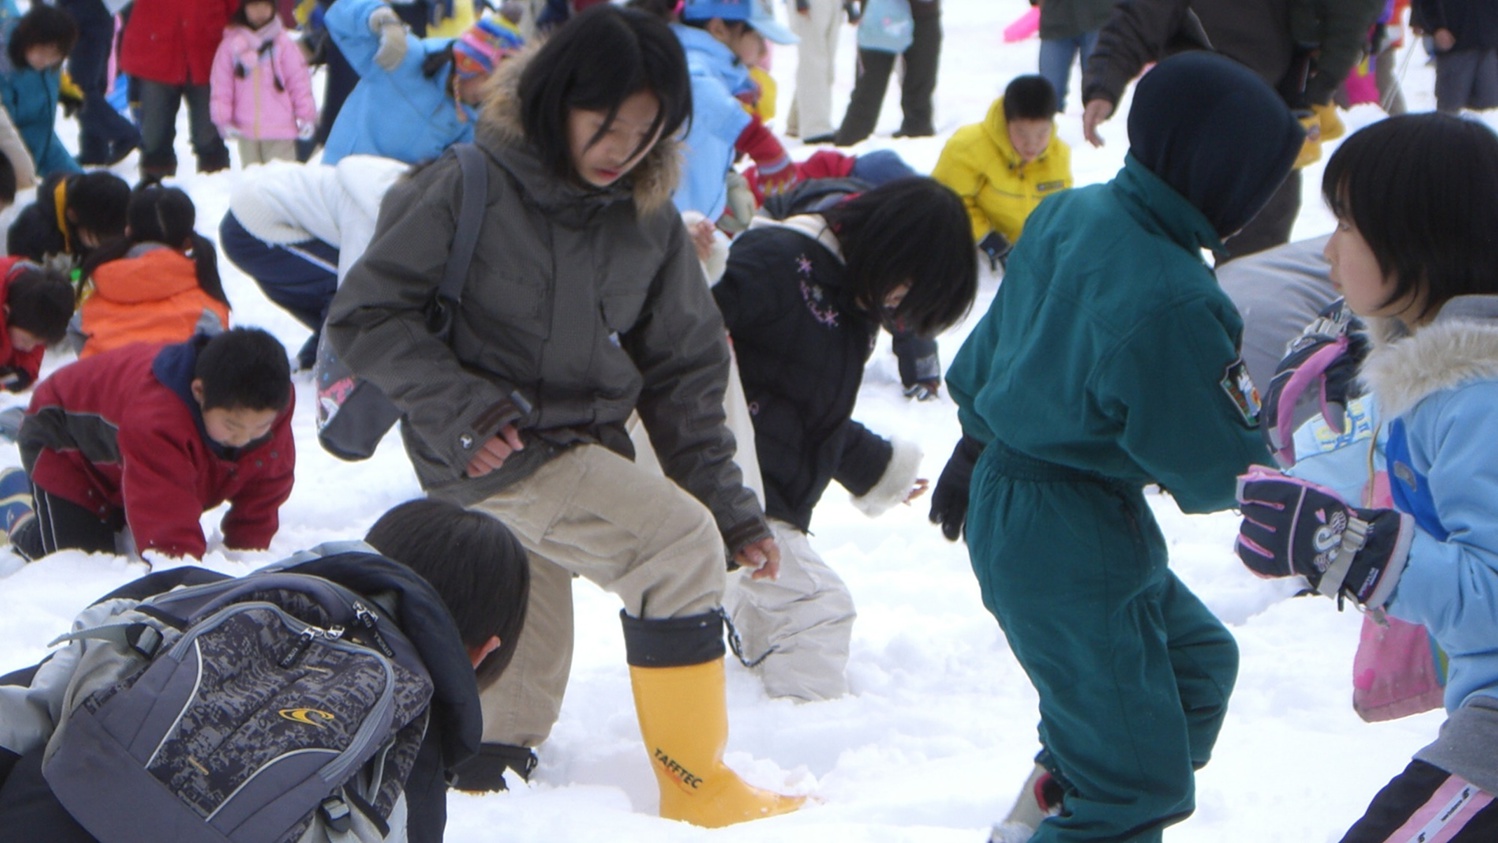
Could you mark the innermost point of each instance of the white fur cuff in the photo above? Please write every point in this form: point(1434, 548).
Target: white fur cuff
point(896, 482)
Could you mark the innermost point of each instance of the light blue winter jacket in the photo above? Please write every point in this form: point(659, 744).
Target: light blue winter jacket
point(718, 118)
point(400, 113)
point(1439, 386)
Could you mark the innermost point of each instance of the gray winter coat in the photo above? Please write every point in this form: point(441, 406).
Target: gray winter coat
point(581, 306)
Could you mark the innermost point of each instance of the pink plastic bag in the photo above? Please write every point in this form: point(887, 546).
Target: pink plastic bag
point(1023, 27)
point(1397, 671)
point(1361, 86)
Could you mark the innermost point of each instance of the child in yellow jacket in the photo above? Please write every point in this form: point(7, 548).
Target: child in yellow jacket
point(1005, 165)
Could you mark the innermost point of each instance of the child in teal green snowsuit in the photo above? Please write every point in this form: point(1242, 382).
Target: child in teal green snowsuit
point(1109, 361)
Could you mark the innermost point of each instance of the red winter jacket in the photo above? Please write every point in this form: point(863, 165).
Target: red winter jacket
point(23, 365)
point(173, 41)
point(120, 433)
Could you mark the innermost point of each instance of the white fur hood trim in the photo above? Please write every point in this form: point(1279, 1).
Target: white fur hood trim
point(1459, 347)
point(896, 482)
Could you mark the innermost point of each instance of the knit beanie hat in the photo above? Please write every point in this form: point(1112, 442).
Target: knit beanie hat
point(484, 45)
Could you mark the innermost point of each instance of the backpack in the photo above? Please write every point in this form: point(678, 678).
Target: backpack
point(886, 26)
point(279, 706)
point(353, 415)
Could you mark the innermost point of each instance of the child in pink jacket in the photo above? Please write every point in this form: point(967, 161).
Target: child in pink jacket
point(262, 90)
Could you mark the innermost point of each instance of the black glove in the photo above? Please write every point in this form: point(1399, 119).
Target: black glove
point(1291, 526)
point(997, 248)
point(854, 10)
point(1327, 354)
point(949, 501)
point(14, 379)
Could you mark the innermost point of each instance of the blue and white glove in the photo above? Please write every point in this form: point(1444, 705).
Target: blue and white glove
point(1292, 526)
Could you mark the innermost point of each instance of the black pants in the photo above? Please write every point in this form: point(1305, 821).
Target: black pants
point(103, 133)
point(921, 60)
point(63, 525)
point(1426, 797)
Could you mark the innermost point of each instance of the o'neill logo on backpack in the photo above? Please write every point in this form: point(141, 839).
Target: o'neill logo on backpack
point(310, 716)
point(682, 775)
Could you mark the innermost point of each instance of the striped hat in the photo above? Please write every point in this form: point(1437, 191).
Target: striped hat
point(484, 45)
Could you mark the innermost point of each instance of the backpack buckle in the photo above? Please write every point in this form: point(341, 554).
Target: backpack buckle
point(336, 813)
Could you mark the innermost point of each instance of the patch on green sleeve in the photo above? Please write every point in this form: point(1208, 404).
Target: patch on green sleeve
point(1240, 388)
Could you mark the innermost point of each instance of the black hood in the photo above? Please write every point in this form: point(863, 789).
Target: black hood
point(1216, 133)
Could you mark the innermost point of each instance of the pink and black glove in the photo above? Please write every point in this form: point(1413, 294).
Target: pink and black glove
point(1325, 356)
point(777, 172)
point(1292, 526)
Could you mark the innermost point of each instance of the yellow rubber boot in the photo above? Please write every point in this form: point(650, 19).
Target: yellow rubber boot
point(684, 720)
point(1310, 149)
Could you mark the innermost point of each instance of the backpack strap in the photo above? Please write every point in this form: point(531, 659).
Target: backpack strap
point(470, 220)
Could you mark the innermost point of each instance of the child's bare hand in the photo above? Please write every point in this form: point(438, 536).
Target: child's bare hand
point(920, 487)
point(762, 557)
point(701, 233)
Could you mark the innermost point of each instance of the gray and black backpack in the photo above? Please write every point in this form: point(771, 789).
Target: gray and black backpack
point(279, 706)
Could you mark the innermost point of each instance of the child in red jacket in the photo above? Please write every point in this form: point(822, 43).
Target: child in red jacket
point(37, 304)
point(137, 443)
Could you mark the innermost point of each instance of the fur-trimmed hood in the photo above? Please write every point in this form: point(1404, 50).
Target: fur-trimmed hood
point(1458, 347)
point(650, 184)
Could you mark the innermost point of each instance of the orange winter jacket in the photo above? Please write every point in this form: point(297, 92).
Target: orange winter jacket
point(150, 295)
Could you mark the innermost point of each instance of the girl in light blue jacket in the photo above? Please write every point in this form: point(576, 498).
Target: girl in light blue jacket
point(415, 96)
point(1416, 200)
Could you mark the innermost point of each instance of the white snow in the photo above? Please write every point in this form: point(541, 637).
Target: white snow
point(939, 730)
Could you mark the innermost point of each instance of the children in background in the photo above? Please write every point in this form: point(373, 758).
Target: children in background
point(1109, 361)
point(29, 80)
point(803, 300)
point(73, 214)
point(296, 230)
point(168, 50)
point(722, 40)
point(818, 24)
point(261, 88)
point(126, 450)
point(1466, 40)
point(1005, 165)
point(415, 96)
point(1425, 276)
point(157, 284)
point(528, 424)
point(1330, 37)
point(37, 304)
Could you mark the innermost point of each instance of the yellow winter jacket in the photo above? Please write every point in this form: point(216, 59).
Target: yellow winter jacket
point(980, 165)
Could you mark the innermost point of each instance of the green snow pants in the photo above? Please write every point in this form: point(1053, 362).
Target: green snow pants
point(1132, 670)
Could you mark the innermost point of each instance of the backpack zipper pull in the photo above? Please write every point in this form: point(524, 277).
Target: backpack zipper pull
point(304, 641)
point(371, 624)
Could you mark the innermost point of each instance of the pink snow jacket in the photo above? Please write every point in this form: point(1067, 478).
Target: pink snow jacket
point(261, 87)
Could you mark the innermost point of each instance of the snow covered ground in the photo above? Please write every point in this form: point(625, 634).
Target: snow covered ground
point(940, 728)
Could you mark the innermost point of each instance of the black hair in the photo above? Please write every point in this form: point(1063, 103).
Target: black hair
point(475, 564)
point(599, 59)
point(663, 9)
point(909, 231)
point(1030, 97)
point(737, 27)
point(244, 368)
point(98, 202)
point(1422, 189)
point(41, 26)
point(39, 301)
point(164, 215)
point(7, 181)
point(243, 20)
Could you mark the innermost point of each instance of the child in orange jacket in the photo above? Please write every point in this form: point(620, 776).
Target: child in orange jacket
point(158, 284)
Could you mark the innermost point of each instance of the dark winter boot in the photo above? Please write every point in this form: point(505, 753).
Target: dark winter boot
point(485, 772)
point(15, 500)
point(214, 160)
